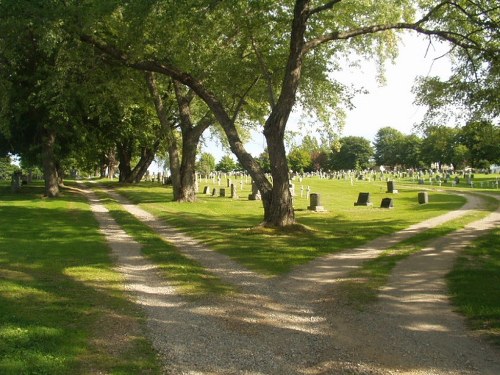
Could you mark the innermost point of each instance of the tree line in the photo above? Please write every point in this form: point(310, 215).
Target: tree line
point(85, 83)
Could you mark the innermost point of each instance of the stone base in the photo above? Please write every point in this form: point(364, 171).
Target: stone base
point(363, 204)
point(394, 191)
point(316, 208)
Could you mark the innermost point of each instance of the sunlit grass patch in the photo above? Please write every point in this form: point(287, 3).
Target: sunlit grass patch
point(187, 275)
point(362, 286)
point(58, 290)
point(231, 226)
point(474, 285)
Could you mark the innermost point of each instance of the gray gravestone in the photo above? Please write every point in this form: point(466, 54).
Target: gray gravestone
point(15, 184)
point(363, 200)
point(255, 196)
point(387, 203)
point(234, 194)
point(315, 203)
point(423, 197)
point(391, 187)
point(222, 192)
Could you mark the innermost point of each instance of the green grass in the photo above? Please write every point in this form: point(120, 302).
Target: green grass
point(362, 285)
point(474, 285)
point(231, 226)
point(62, 306)
point(187, 275)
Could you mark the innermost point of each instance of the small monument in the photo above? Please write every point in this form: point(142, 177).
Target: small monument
point(315, 203)
point(391, 187)
point(423, 197)
point(255, 196)
point(387, 203)
point(363, 200)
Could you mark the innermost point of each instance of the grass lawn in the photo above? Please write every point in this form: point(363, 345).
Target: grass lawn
point(474, 285)
point(231, 225)
point(362, 285)
point(62, 306)
point(188, 276)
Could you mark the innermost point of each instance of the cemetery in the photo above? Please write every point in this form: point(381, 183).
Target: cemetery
point(318, 240)
point(226, 217)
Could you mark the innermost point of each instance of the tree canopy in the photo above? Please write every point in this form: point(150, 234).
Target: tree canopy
point(249, 62)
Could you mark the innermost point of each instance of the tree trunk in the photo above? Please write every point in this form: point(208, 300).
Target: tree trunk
point(111, 163)
point(49, 164)
point(142, 166)
point(187, 192)
point(190, 138)
point(125, 157)
point(278, 205)
point(175, 169)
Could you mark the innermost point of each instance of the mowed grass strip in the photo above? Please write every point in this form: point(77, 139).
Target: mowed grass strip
point(362, 285)
point(62, 306)
point(188, 276)
point(231, 226)
point(474, 285)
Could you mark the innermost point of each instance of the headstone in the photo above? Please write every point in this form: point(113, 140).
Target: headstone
point(291, 187)
point(214, 192)
point(363, 200)
point(387, 203)
point(234, 194)
point(15, 184)
point(229, 182)
point(423, 197)
point(255, 196)
point(222, 192)
point(315, 203)
point(391, 187)
point(206, 190)
point(457, 180)
point(421, 181)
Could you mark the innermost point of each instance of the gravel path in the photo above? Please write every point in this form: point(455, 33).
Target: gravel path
point(284, 326)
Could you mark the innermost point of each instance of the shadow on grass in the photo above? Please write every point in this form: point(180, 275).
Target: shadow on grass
point(58, 291)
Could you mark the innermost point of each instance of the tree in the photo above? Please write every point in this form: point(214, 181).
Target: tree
point(388, 147)
point(6, 168)
point(354, 153)
point(300, 160)
point(471, 92)
point(438, 144)
point(36, 75)
point(282, 51)
point(263, 160)
point(226, 164)
point(206, 164)
point(482, 140)
point(411, 151)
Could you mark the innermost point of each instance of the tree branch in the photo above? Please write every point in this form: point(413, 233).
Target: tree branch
point(242, 101)
point(266, 73)
point(326, 6)
point(462, 40)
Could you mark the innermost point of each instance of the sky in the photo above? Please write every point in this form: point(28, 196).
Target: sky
point(387, 105)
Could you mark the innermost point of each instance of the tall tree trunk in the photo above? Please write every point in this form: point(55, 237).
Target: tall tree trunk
point(187, 192)
point(111, 163)
point(49, 164)
point(173, 150)
point(125, 157)
point(175, 169)
point(147, 156)
point(278, 205)
point(190, 138)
